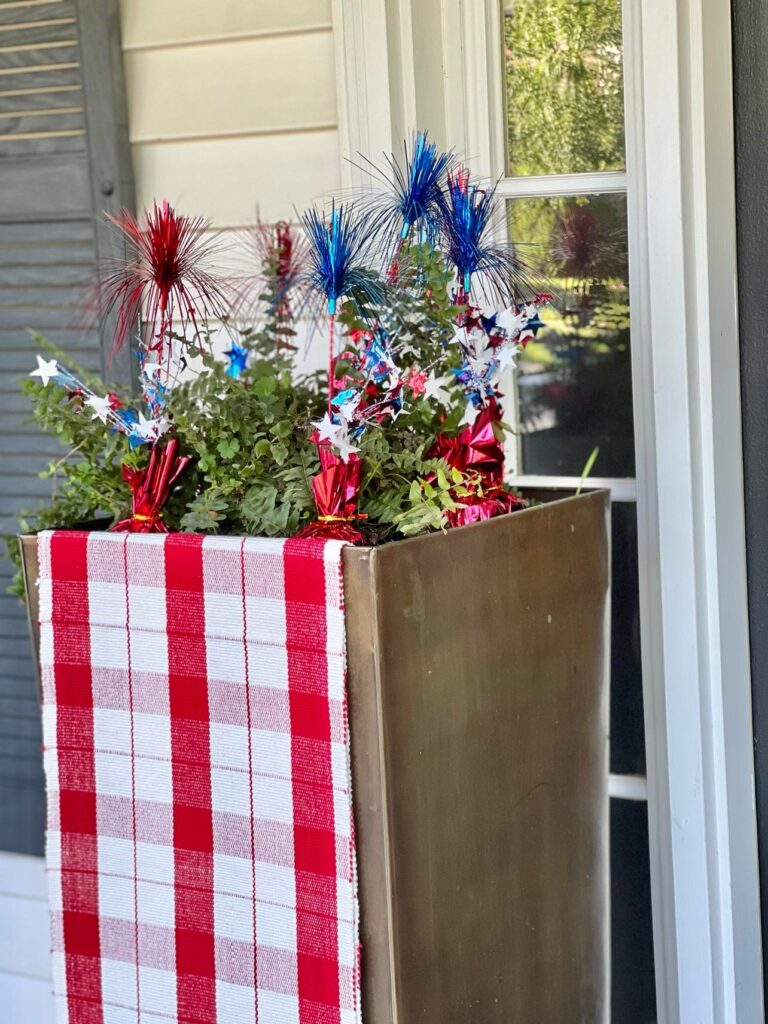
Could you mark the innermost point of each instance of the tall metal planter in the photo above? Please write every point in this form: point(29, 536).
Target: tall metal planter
point(477, 676)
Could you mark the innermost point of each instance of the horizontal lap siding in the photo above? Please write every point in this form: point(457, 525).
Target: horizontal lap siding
point(232, 106)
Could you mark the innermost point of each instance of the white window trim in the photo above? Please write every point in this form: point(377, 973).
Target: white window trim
point(703, 837)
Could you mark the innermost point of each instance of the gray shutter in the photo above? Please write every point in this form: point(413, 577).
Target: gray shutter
point(64, 158)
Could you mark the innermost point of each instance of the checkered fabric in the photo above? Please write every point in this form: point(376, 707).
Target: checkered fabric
point(200, 847)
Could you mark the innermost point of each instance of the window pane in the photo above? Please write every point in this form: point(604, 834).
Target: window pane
point(574, 382)
point(563, 75)
point(627, 731)
point(633, 989)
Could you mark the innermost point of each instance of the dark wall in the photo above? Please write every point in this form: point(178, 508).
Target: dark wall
point(750, 52)
point(58, 171)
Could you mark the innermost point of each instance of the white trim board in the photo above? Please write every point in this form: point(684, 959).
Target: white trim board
point(690, 514)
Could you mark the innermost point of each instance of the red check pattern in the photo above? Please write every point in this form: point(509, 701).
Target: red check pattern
point(200, 851)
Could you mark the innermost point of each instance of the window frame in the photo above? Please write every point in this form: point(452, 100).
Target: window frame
point(615, 182)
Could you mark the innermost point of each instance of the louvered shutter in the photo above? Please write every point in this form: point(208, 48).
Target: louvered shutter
point(64, 158)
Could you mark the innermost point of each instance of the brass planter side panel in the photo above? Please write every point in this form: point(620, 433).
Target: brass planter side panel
point(369, 789)
point(492, 662)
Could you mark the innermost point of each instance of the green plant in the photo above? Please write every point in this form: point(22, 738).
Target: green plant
point(252, 459)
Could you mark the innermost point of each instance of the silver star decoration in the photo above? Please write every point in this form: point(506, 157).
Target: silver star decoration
point(348, 409)
point(344, 446)
point(151, 429)
point(326, 429)
point(506, 355)
point(47, 370)
point(511, 322)
point(101, 407)
point(435, 387)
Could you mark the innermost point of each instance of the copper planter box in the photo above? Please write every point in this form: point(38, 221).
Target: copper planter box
point(478, 703)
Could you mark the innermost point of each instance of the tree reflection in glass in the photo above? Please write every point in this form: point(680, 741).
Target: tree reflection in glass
point(563, 74)
point(574, 381)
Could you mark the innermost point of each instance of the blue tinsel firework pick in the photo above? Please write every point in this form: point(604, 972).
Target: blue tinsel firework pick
point(467, 211)
point(417, 185)
point(337, 250)
point(338, 246)
point(412, 197)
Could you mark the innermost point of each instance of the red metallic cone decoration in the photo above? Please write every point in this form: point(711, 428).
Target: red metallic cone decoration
point(478, 454)
point(336, 489)
point(150, 488)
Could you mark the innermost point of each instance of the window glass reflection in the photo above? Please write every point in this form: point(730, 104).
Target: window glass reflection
point(574, 380)
point(563, 83)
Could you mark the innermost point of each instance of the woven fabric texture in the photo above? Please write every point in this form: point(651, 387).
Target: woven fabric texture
point(200, 847)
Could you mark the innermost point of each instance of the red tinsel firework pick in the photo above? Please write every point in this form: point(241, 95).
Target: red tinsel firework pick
point(150, 488)
point(336, 489)
point(166, 278)
point(274, 288)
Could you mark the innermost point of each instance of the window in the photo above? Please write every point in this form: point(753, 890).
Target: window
point(565, 185)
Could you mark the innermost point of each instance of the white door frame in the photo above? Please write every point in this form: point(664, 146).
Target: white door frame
point(681, 185)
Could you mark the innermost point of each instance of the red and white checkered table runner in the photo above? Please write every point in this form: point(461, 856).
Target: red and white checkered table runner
point(200, 848)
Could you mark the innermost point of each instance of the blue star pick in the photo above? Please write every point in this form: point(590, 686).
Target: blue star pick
point(238, 357)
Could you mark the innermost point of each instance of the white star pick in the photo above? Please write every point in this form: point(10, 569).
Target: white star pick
point(344, 446)
point(506, 355)
point(101, 407)
point(326, 429)
point(46, 370)
point(148, 429)
point(511, 322)
point(434, 387)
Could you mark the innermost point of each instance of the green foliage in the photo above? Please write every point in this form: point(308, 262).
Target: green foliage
point(252, 460)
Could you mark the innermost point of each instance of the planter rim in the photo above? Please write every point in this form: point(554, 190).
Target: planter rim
point(422, 537)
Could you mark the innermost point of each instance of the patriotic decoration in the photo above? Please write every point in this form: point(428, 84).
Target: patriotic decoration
point(201, 854)
point(168, 279)
point(426, 306)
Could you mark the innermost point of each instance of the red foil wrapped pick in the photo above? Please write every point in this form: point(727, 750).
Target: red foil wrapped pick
point(336, 489)
point(150, 488)
point(479, 455)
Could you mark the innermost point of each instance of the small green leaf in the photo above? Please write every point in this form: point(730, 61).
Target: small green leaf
point(265, 386)
point(587, 469)
point(228, 447)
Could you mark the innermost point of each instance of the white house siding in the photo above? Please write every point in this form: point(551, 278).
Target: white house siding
point(25, 960)
point(232, 105)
